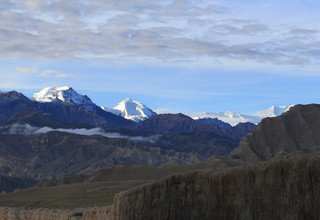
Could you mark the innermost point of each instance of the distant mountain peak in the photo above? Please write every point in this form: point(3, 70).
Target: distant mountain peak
point(234, 118)
point(62, 93)
point(14, 95)
point(131, 110)
point(231, 118)
point(272, 111)
point(128, 100)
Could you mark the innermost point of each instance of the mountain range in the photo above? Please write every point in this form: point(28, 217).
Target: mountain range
point(275, 167)
point(233, 118)
point(60, 115)
point(60, 132)
point(62, 137)
point(137, 112)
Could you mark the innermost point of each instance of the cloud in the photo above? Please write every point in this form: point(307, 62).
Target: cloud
point(301, 31)
point(54, 74)
point(246, 29)
point(166, 31)
point(26, 129)
point(26, 70)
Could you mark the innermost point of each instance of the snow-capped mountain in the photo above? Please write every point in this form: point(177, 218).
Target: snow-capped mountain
point(131, 110)
point(231, 118)
point(112, 110)
point(273, 111)
point(62, 93)
point(136, 111)
point(236, 118)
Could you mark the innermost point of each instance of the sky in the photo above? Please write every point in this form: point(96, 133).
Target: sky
point(184, 56)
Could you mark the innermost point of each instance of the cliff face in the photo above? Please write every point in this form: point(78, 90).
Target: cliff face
point(94, 213)
point(284, 189)
point(296, 130)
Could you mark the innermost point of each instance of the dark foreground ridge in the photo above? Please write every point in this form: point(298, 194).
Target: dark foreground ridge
point(282, 189)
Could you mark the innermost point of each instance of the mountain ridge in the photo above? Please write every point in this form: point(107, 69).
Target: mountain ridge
point(137, 112)
point(62, 93)
point(295, 130)
point(234, 118)
point(17, 108)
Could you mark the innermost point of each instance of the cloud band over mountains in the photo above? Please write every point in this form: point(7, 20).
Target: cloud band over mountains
point(26, 129)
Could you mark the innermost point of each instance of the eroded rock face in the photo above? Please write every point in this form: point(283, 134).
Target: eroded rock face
point(296, 130)
point(284, 189)
point(93, 213)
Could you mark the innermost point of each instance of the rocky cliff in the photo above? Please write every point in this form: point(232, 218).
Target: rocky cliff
point(283, 189)
point(297, 130)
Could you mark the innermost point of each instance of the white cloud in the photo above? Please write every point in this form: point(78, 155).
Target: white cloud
point(26, 70)
point(167, 31)
point(54, 74)
point(26, 129)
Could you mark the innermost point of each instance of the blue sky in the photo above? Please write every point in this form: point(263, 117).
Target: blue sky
point(174, 56)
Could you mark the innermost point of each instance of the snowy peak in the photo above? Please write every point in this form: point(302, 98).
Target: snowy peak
point(273, 111)
point(236, 118)
point(231, 118)
point(62, 93)
point(112, 110)
point(131, 110)
point(127, 108)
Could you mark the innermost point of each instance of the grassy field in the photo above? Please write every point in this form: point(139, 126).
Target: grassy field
point(68, 196)
point(84, 191)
